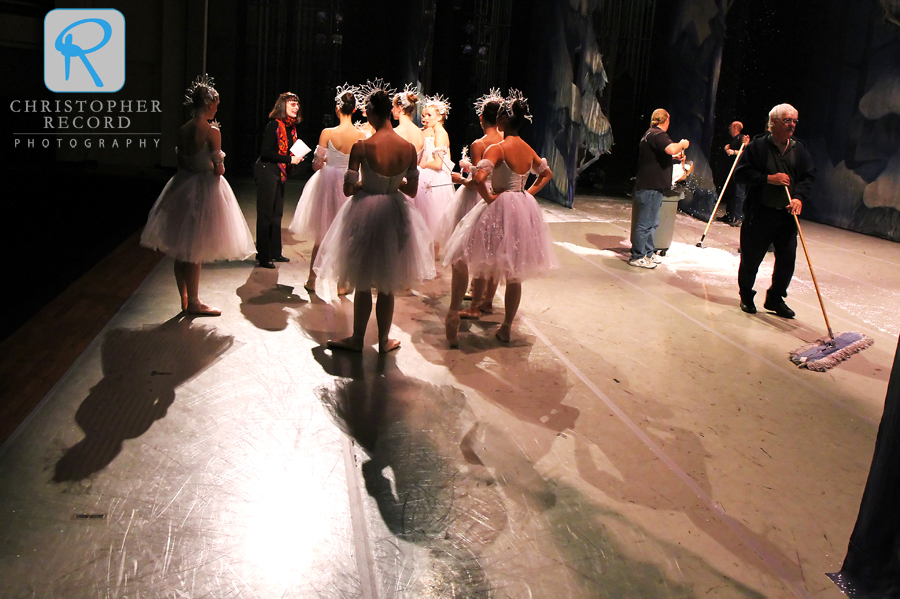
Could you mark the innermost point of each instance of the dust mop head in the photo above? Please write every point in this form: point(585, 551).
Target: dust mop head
point(822, 354)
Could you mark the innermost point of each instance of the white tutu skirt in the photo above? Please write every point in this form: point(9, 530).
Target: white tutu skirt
point(322, 197)
point(506, 239)
point(197, 219)
point(463, 201)
point(376, 241)
point(434, 195)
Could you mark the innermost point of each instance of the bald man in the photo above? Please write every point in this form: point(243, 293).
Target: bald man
point(734, 205)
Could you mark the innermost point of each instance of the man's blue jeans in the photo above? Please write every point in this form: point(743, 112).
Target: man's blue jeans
point(647, 203)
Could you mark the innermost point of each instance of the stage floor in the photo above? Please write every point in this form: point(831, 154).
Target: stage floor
point(640, 436)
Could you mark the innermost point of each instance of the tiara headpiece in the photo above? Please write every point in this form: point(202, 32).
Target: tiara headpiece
point(514, 96)
point(347, 88)
point(439, 103)
point(403, 97)
point(209, 92)
point(492, 96)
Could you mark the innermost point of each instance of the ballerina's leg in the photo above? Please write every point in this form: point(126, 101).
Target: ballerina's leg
point(181, 283)
point(384, 316)
point(194, 305)
point(511, 305)
point(362, 309)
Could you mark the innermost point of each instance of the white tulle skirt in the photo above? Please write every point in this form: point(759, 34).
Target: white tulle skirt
point(376, 241)
point(322, 197)
point(196, 219)
point(463, 201)
point(434, 195)
point(507, 238)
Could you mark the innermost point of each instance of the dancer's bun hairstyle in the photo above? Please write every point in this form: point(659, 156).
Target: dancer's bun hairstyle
point(347, 103)
point(381, 104)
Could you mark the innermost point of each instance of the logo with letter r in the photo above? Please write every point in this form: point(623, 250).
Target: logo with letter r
point(84, 50)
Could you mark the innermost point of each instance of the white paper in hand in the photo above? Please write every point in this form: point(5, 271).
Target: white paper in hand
point(300, 149)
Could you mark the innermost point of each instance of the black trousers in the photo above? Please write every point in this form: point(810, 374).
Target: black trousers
point(762, 227)
point(269, 210)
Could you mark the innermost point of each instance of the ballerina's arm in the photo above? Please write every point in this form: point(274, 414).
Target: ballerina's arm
point(351, 176)
point(411, 184)
point(543, 172)
point(218, 156)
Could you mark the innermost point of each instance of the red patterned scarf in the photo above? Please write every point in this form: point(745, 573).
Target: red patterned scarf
point(286, 142)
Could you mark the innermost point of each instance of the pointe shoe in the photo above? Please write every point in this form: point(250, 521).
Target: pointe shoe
point(451, 329)
point(203, 310)
point(486, 309)
point(311, 287)
point(470, 314)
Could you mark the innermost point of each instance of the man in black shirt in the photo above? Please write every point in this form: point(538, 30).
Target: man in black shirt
point(734, 208)
point(771, 163)
point(654, 178)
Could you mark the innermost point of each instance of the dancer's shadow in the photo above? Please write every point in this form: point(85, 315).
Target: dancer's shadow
point(429, 490)
point(142, 368)
point(263, 300)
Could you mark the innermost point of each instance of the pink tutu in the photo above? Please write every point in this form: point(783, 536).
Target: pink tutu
point(507, 238)
point(463, 201)
point(197, 219)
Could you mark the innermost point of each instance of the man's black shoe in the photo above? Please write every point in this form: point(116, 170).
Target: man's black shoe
point(266, 264)
point(748, 306)
point(282, 259)
point(779, 308)
point(736, 223)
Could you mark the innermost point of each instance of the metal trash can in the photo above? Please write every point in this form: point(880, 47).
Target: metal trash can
point(665, 231)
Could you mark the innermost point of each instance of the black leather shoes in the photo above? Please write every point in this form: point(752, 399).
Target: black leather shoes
point(266, 264)
point(748, 306)
point(281, 259)
point(779, 308)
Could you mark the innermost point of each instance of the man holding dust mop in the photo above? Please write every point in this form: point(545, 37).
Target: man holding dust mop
point(771, 162)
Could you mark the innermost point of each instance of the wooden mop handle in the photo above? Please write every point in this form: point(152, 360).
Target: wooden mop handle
point(808, 261)
point(722, 193)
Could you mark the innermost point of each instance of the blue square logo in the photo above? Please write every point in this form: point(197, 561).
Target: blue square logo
point(84, 50)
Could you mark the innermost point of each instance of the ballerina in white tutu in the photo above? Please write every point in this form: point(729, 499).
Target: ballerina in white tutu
point(505, 235)
point(377, 240)
point(436, 185)
point(466, 197)
point(323, 194)
point(196, 218)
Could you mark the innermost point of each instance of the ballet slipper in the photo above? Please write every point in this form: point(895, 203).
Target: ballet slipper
point(486, 308)
point(503, 333)
point(310, 285)
point(347, 344)
point(451, 329)
point(388, 346)
point(470, 313)
point(201, 309)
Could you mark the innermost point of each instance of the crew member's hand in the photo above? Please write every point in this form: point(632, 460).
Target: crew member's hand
point(296, 159)
point(796, 206)
point(745, 140)
point(779, 179)
point(685, 144)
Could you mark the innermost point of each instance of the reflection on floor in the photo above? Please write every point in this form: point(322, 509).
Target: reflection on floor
point(640, 437)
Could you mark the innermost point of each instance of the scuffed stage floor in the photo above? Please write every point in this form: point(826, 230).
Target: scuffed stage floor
point(640, 437)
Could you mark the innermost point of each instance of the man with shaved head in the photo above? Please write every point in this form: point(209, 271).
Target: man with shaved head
point(772, 162)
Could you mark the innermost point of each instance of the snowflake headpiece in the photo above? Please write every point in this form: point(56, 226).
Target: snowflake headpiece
point(439, 103)
point(207, 92)
point(347, 88)
point(514, 96)
point(492, 96)
point(403, 97)
point(370, 87)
